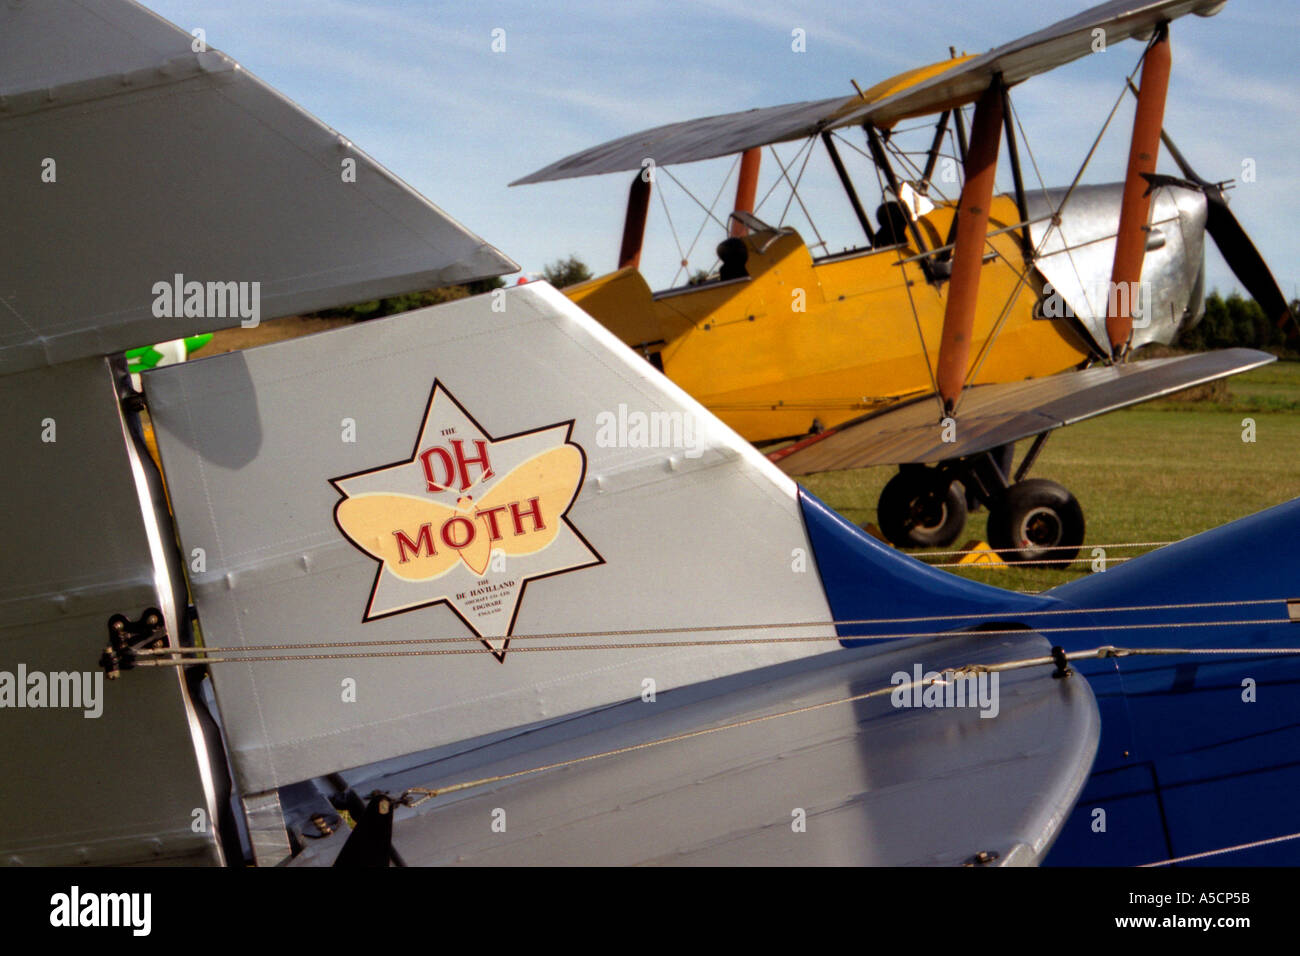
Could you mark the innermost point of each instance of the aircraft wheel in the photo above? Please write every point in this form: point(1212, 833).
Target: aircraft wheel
point(1039, 522)
point(916, 510)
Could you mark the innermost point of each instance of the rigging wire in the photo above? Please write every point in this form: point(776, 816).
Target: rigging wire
point(794, 194)
point(1102, 132)
point(414, 796)
point(1042, 187)
point(1055, 223)
point(180, 656)
point(906, 158)
point(1227, 849)
point(911, 301)
point(707, 211)
point(704, 222)
point(777, 182)
point(1054, 547)
point(1011, 563)
point(672, 229)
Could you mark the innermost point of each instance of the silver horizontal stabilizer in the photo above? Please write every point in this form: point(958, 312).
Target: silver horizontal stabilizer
point(154, 189)
point(855, 784)
point(992, 415)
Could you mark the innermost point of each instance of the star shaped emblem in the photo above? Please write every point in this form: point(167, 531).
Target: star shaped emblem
point(468, 520)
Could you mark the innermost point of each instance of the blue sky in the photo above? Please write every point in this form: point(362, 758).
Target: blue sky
point(417, 85)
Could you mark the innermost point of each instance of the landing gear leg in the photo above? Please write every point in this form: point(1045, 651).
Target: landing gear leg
point(1032, 521)
point(926, 507)
point(1003, 456)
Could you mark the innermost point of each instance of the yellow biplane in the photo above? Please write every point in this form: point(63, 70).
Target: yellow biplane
point(960, 325)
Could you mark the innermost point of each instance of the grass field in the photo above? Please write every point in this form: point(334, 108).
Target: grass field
point(1157, 472)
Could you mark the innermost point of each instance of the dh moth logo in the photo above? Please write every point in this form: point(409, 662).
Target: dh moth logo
point(436, 521)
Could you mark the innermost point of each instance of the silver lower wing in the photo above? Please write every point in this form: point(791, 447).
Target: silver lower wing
point(872, 782)
point(991, 415)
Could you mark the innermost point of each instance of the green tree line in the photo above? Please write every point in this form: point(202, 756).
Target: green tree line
point(1235, 322)
point(560, 273)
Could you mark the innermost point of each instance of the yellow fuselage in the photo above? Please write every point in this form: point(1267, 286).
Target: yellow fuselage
point(802, 341)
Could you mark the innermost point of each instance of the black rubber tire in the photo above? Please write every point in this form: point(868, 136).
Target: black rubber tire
point(1036, 523)
point(917, 510)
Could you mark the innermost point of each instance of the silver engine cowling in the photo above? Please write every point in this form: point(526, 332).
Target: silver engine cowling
point(1075, 261)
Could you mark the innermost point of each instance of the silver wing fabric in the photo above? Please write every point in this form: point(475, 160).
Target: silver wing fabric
point(138, 159)
point(729, 133)
point(991, 415)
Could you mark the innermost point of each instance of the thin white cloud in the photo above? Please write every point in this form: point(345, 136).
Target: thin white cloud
point(417, 80)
